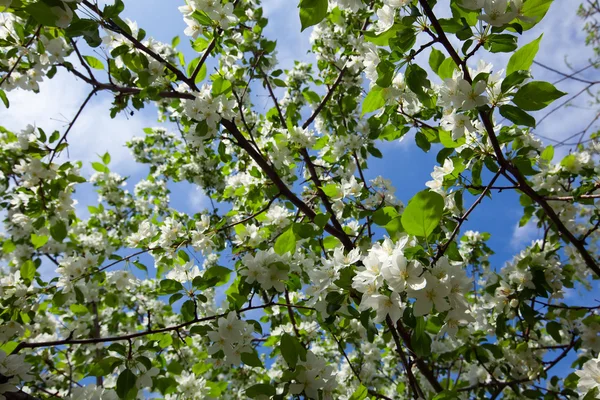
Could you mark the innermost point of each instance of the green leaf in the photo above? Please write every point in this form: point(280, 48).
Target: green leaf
point(446, 140)
point(93, 62)
point(516, 115)
point(553, 329)
point(592, 394)
point(169, 286)
point(522, 59)
point(106, 158)
point(416, 80)
point(4, 99)
point(447, 68)
point(289, 349)
point(360, 393)
point(8, 246)
point(422, 141)
point(221, 274)
point(38, 241)
point(446, 395)
point(87, 28)
point(436, 58)
point(312, 12)
point(331, 190)
point(27, 270)
point(188, 310)
point(548, 153)
point(535, 10)
point(192, 67)
point(260, 389)
point(331, 242)
point(220, 86)
point(383, 38)
point(100, 167)
point(112, 11)
point(58, 230)
point(536, 95)
point(514, 79)
point(125, 382)
point(502, 43)
point(286, 242)
point(423, 213)
point(569, 161)
point(420, 340)
point(385, 73)
point(404, 41)
point(374, 100)
point(42, 13)
point(202, 17)
point(252, 359)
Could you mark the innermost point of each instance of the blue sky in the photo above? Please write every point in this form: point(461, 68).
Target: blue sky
point(407, 166)
point(403, 162)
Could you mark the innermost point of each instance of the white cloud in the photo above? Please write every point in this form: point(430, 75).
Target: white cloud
point(284, 26)
point(524, 235)
point(197, 199)
point(93, 133)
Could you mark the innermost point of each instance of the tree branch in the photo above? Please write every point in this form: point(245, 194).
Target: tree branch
point(506, 164)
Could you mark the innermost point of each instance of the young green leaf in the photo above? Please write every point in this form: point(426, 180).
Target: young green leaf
point(27, 270)
point(125, 382)
point(374, 100)
point(4, 99)
point(58, 230)
point(423, 213)
point(436, 58)
point(288, 349)
point(522, 59)
point(261, 389)
point(516, 115)
point(312, 12)
point(286, 242)
point(360, 393)
point(38, 240)
point(93, 62)
point(536, 95)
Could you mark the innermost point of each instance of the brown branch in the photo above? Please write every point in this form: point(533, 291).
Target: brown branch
point(521, 181)
point(64, 136)
point(292, 316)
point(442, 249)
point(96, 335)
point(113, 26)
point(123, 89)
point(18, 395)
point(325, 99)
point(128, 337)
point(248, 218)
point(210, 48)
point(314, 176)
point(573, 198)
point(272, 174)
point(567, 76)
point(346, 241)
point(414, 384)
point(336, 83)
point(81, 60)
point(423, 367)
point(16, 64)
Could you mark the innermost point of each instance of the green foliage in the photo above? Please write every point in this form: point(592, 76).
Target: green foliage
point(523, 58)
point(286, 242)
point(536, 95)
point(312, 12)
point(423, 213)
